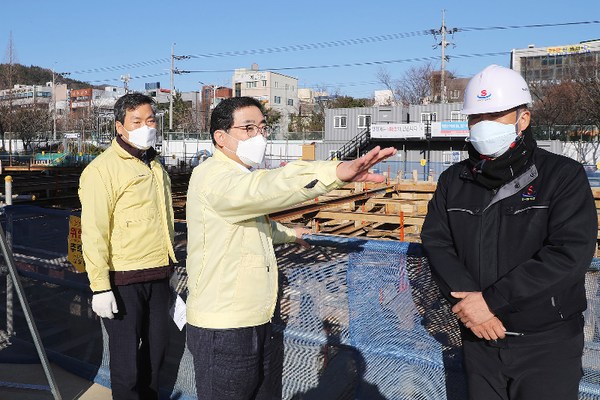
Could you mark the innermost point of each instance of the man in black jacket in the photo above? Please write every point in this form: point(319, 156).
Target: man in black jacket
point(510, 234)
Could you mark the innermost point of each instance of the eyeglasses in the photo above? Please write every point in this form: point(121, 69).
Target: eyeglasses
point(252, 129)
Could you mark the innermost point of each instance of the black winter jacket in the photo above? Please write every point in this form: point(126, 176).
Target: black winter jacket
point(526, 245)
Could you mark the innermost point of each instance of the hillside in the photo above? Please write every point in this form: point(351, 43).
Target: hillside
point(34, 75)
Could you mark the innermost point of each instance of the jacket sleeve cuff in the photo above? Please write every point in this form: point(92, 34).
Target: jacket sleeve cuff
point(497, 302)
point(281, 233)
point(101, 285)
point(329, 177)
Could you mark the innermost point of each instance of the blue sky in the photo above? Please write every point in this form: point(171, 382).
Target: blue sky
point(90, 38)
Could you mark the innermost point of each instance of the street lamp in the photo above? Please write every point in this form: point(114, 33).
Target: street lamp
point(160, 116)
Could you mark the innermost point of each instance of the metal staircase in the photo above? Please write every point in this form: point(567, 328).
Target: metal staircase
point(354, 148)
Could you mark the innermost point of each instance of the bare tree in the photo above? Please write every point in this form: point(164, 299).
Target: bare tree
point(31, 123)
point(384, 76)
point(9, 79)
point(569, 109)
point(413, 87)
point(585, 73)
point(556, 108)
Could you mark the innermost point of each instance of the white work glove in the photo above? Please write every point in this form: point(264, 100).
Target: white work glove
point(104, 304)
point(174, 280)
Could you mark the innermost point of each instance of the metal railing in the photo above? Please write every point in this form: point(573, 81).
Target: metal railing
point(354, 148)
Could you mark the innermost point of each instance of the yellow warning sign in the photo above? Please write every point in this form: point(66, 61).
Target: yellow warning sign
point(75, 250)
point(423, 162)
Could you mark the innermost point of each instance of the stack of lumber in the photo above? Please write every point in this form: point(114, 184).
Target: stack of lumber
point(391, 211)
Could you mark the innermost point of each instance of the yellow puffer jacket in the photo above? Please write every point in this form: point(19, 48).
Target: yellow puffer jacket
point(126, 215)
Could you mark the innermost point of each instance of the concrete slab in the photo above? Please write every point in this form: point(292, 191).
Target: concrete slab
point(69, 385)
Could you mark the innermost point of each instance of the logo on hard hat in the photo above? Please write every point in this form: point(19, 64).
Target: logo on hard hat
point(483, 95)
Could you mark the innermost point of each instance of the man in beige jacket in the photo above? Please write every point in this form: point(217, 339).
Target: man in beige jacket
point(232, 271)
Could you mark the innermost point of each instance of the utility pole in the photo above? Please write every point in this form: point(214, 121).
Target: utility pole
point(214, 99)
point(174, 71)
point(442, 32)
point(171, 92)
point(53, 101)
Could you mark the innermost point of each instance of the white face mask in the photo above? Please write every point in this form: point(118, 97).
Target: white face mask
point(491, 138)
point(252, 151)
point(143, 137)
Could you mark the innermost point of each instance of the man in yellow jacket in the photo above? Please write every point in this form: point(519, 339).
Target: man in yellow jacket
point(232, 271)
point(127, 234)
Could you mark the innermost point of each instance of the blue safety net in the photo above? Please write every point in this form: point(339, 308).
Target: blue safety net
point(356, 318)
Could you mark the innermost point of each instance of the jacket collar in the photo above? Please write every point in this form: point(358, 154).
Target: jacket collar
point(467, 173)
point(142, 155)
point(516, 185)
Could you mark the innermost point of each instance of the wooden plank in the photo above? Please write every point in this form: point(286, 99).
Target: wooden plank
point(395, 206)
point(426, 187)
point(369, 217)
point(377, 234)
point(342, 228)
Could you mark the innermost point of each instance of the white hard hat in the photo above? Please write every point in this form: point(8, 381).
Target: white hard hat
point(495, 89)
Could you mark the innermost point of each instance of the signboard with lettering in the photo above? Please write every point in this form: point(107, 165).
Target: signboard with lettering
point(259, 76)
point(449, 129)
point(398, 131)
point(75, 255)
point(569, 49)
point(262, 99)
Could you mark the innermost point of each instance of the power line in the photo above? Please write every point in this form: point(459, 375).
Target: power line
point(360, 64)
point(527, 26)
point(321, 45)
point(313, 46)
point(305, 67)
point(133, 77)
point(270, 50)
point(123, 66)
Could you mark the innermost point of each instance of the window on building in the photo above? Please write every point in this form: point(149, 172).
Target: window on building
point(264, 83)
point(456, 116)
point(238, 90)
point(290, 102)
point(277, 100)
point(454, 94)
point(276, 84)
point(364, 121)
point(428, 117)
point(287, 86)
point(339, 121)
point(251, 84)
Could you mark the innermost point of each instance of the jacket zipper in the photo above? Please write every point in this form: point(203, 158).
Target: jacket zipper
point(554, 305)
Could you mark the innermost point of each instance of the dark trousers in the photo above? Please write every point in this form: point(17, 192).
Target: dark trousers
point(232, 364)
point(550, 371)
point(138, 339)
